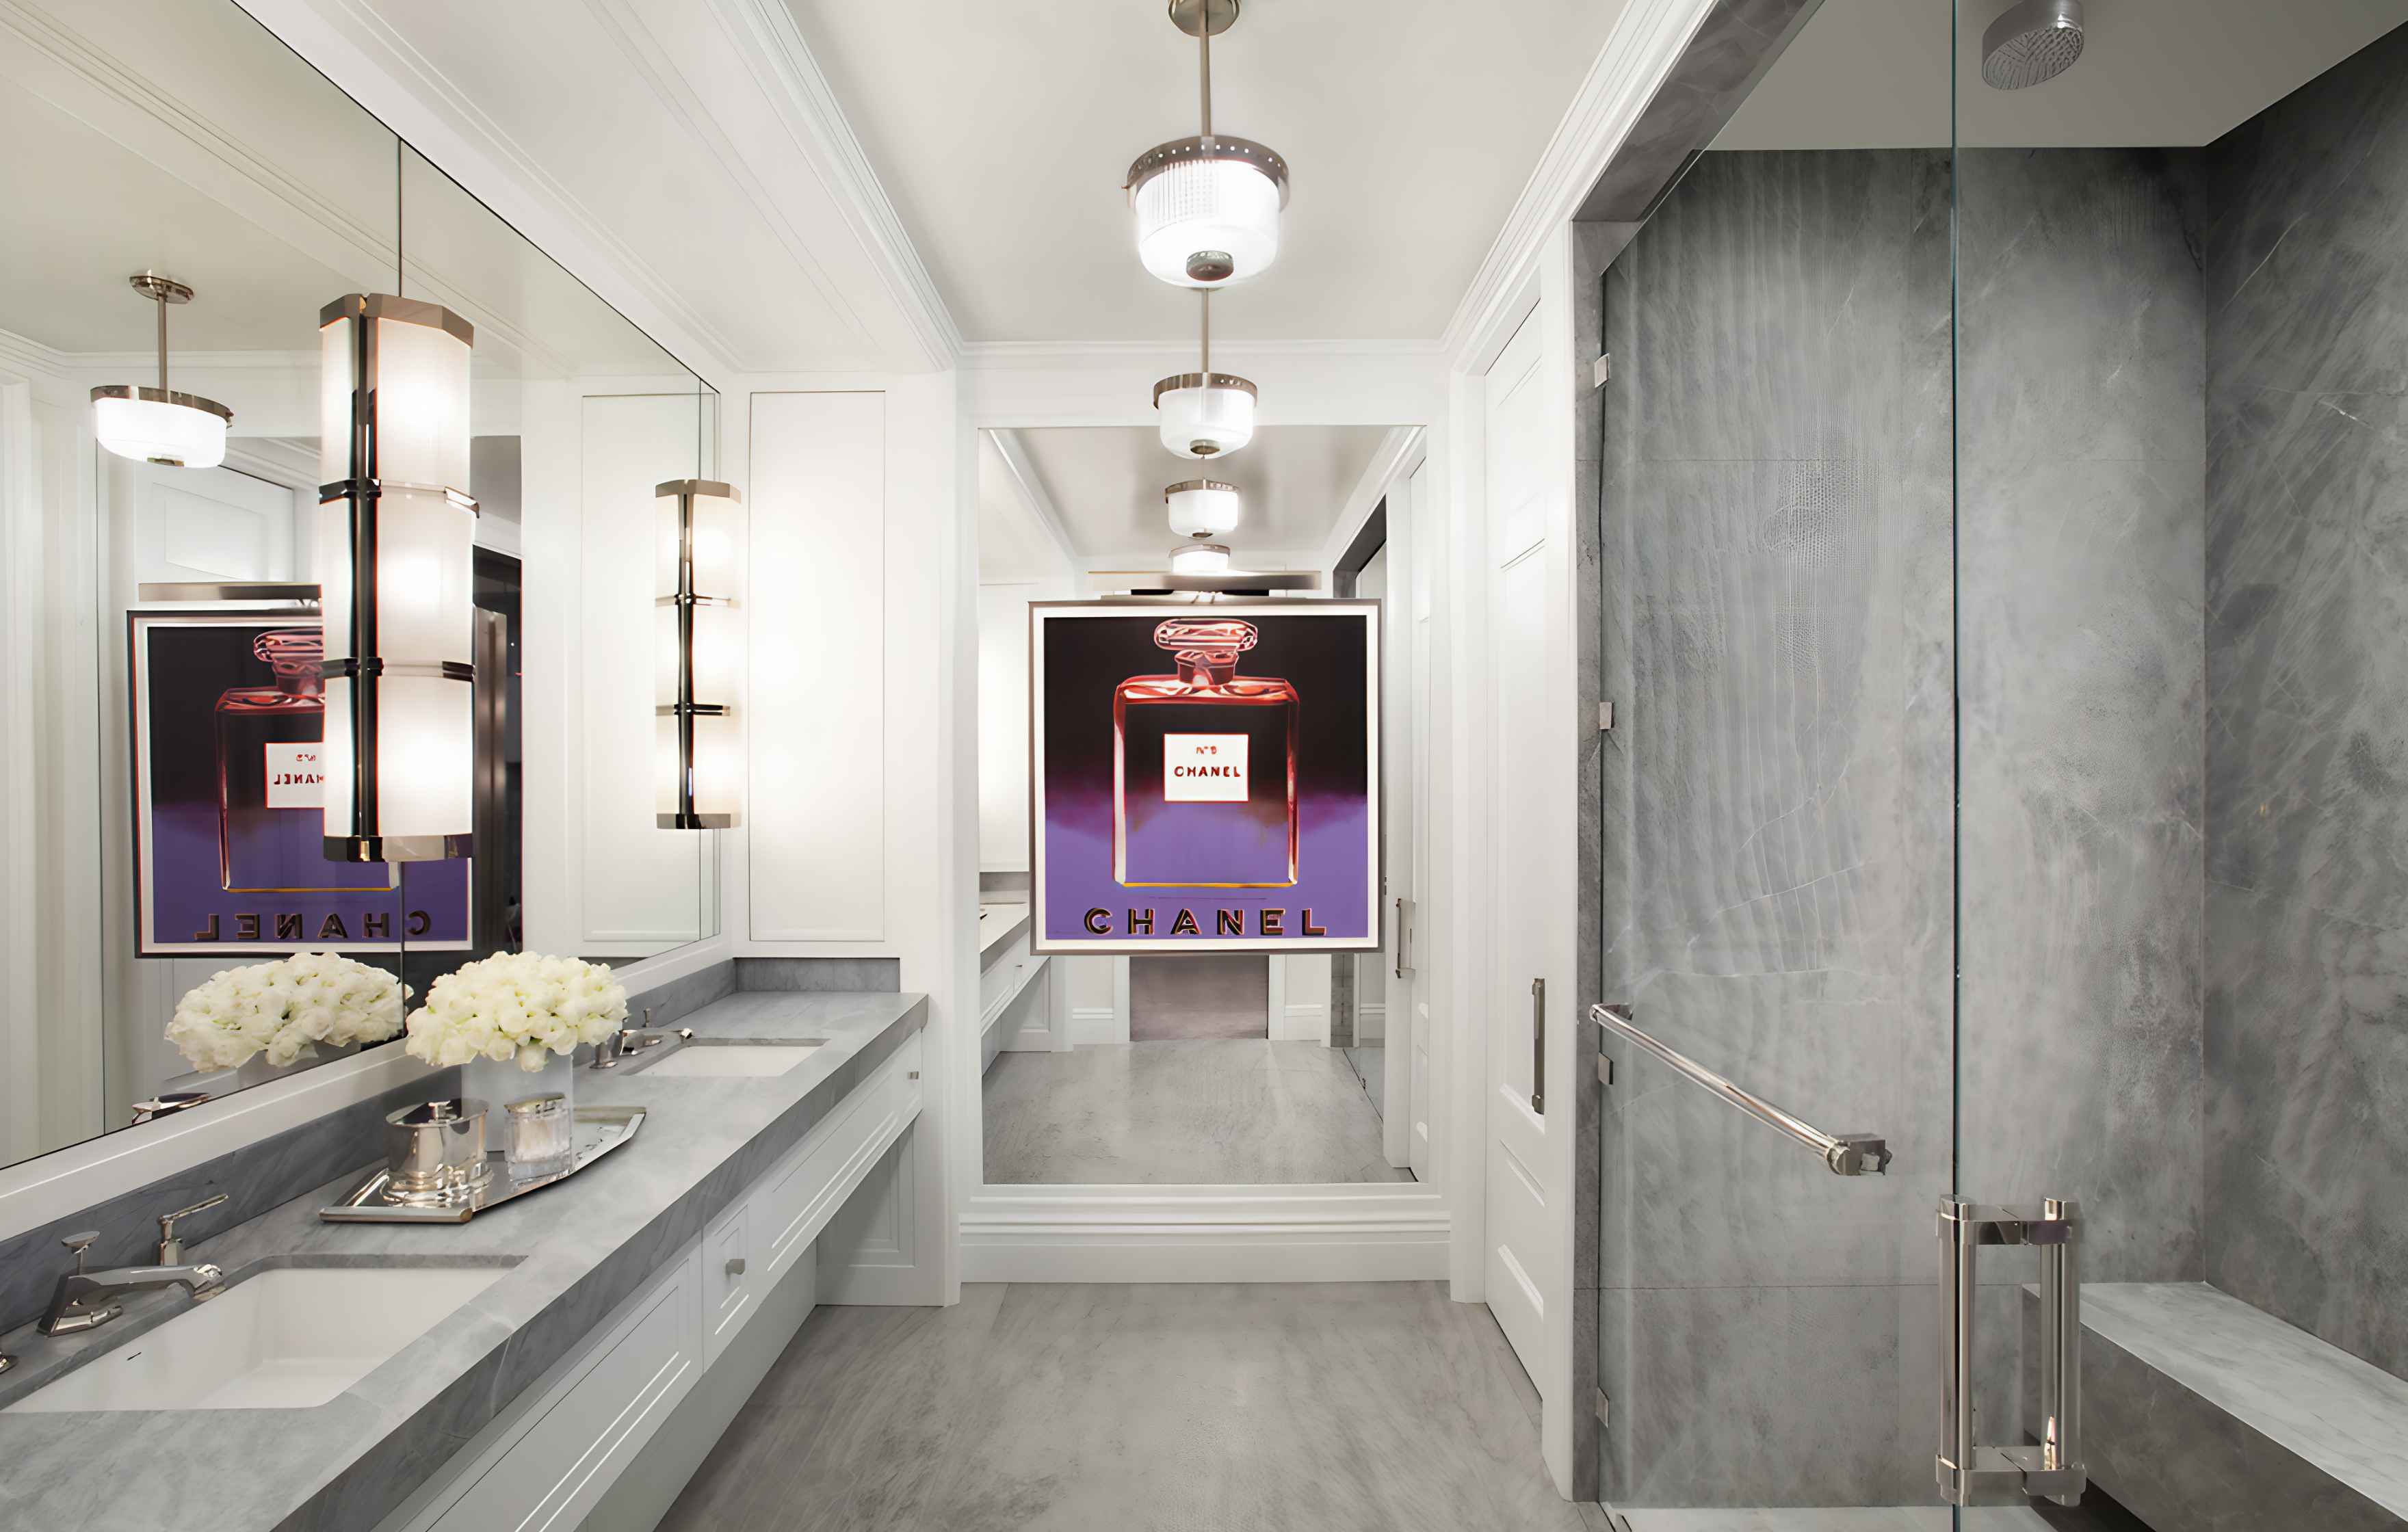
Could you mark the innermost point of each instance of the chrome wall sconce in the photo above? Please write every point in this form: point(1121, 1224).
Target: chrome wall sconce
point(159, 424)
point(699, 642)
point(396, 558)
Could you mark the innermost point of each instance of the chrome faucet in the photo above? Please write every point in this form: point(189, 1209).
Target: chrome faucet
point(84, 1300)
point(171, 1248)
point(628, 1041)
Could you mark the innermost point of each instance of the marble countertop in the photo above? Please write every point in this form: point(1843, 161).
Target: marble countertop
point(997, 924)
point(575, 1252)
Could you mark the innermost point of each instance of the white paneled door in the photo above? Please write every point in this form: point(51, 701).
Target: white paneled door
point(1527, 1204)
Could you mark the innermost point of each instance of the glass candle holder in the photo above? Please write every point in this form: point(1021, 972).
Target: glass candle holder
point(542, 1135)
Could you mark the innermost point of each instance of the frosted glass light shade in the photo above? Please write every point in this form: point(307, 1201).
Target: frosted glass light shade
point(395, 550)
point(156, 425)
point(1200, 558)
point(1208, 215)
point(419, 355)
point(1203, 508)
point(1204, 414)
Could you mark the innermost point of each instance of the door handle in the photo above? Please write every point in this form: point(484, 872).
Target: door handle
point(1404, 937)
point(1970, 1473)
point(1538, 1045)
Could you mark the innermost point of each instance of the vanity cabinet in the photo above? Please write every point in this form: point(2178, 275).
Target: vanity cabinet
point(662, 1377)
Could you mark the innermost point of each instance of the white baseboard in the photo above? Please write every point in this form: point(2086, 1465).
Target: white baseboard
point(1376, 1231)
point(1095, 1024)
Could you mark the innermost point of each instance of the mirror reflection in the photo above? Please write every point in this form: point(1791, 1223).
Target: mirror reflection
point(177, 930)
point(1210, 1068)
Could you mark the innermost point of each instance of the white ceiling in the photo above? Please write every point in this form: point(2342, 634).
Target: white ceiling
point(184, 139)
point(1002, 133)
point(1105, 483)
point(1874, 74)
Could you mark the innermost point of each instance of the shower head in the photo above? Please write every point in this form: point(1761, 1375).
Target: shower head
point(2036, 41)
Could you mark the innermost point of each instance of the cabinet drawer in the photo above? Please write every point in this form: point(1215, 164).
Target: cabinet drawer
point(795, 1200)
point(1000, 977)
point(591, 1428)
point(731, 1288)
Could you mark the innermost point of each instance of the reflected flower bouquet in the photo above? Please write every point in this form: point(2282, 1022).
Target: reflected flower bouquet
point(281, 1007)
point(516, 1005)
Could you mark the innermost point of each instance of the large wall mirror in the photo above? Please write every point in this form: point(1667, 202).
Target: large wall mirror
point(160, 654)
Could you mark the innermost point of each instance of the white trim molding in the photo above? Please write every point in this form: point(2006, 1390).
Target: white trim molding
point(1646, 42)
point(1367, 1231)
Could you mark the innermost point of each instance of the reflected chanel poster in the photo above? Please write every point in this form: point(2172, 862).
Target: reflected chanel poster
point(228, 718)
point(1205, 778)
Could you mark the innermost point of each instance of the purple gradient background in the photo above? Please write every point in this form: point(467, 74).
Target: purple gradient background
point(1086, 658)
point(187, 666)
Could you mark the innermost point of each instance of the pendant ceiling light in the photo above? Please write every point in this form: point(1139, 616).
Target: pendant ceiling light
point(1203, 508)
point(700, 645)
point(395, 551)
point(1200, 558)
point(1208, 207)
point(159, 424)
point(1205, 413)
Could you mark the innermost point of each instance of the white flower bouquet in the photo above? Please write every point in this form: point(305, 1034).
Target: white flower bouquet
point(281, 1007)
point(520, 1006)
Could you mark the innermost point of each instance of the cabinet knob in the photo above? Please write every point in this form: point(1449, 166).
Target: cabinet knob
point(736, 1265)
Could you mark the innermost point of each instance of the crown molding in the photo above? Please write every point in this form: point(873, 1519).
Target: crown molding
point(1014, 454)
point(765, 33)
point(22, 354)
point(1646, 42)
point(102, 80)
point(1003, 355)
point(376, 67)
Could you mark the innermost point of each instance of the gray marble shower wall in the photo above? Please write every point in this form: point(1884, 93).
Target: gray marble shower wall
point(2175, 616)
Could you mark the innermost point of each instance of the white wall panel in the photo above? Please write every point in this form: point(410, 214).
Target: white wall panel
point(816, 720)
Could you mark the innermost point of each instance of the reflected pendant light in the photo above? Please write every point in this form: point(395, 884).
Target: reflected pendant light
point(1203, 508)
point(1200, 558)
point(1205, 413)
point(1207, 208)
point(698, 643)
point(159, 424)
point(396, 557)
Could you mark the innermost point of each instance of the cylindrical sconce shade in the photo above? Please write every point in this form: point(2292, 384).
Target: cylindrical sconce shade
point(1203, 508)
point(395, 564)
point(1204, 414)
point(700, 665)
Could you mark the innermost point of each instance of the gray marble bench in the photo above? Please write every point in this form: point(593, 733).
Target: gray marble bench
point(2200, 1413)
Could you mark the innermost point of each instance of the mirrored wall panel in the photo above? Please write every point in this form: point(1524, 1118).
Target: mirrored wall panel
point(177, 418)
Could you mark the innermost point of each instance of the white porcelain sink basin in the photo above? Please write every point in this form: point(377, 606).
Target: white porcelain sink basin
point(283, 1339)
point(720, 1061)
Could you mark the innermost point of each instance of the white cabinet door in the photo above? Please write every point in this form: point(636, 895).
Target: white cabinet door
point(732, 1285)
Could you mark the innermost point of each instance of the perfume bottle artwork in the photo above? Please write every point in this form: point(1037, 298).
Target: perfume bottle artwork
point(269, 763)
point(1204, 767)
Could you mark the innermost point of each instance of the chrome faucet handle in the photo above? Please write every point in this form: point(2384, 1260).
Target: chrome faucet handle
point(79, 1243)
point(171, 1249)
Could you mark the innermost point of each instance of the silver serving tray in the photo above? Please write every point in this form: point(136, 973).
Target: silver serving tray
point(598, 1130)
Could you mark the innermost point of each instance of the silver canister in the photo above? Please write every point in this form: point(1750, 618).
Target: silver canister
point(436, 1150)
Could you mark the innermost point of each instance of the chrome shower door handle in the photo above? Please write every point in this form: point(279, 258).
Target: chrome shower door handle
point(1971, 1473)
point(1404, 937)
point(1538, 1045)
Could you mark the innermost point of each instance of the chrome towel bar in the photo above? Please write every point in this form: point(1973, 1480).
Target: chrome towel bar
point(1846, 1153)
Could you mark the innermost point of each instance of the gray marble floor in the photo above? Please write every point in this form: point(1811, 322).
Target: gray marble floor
point(1208, 1112)
point(1377, 1407)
